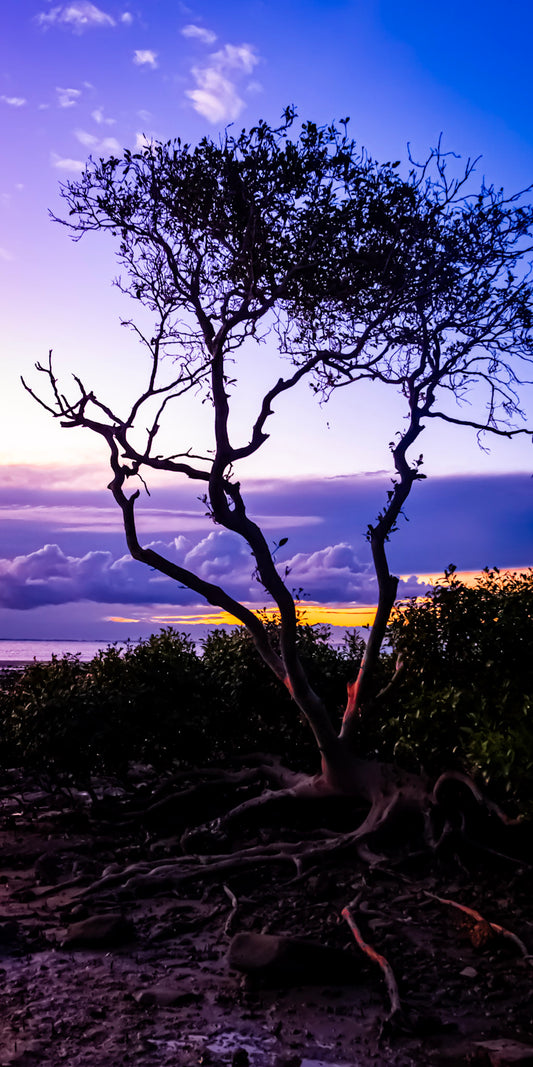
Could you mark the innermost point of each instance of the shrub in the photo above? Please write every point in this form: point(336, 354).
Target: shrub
point(467, 691)
point(140, 701)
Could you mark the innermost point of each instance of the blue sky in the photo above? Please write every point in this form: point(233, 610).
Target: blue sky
point(77, 78)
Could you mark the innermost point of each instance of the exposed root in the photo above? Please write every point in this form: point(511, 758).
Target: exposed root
point(480, 799)
point(382, 962)
point(483, 925)
point(396, 800)
point(229, 924)
point(177, 803)
point(144, 878)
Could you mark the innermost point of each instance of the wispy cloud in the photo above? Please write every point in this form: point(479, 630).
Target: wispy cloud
point(216, 95)
point(103, 146)
point(78, 16)
point(100, 118)
point(67, 97)
point(5, 256)
point(126, 18)
point(14, 101)
point(145, 57)
point(64, 163)
point(200, 33)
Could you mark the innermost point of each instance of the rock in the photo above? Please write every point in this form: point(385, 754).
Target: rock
point(166, 996)
point(289, 960)
point(98, 931)
point(240, 1058)
point(9, 930)
point(469, 972)
point(503, 1053)
point(500, 1052)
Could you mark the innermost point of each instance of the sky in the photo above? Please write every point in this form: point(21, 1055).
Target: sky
point(80, 78)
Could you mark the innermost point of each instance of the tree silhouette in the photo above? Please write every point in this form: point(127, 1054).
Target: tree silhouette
point(360, 273)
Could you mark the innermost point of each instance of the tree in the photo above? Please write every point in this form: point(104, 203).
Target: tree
point(361, 274)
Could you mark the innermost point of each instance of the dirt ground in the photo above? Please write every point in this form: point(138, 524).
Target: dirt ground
point(156, 988)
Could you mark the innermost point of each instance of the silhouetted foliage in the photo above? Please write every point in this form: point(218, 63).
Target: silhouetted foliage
point(466, 697)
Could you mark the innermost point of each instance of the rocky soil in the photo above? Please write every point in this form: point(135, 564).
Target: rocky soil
point(123, 976)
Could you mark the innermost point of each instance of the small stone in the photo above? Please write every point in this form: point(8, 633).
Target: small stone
point(9, 930)
point(98, 931)
point(469, 972)
point(504, 1053)
point(240, 1058)
point(291, 960)
point(166, 996)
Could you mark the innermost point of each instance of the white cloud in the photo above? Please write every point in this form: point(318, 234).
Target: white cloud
point(79, 16)
point(61, 163)
point(102, 146)
point(5, 256)
point(100, 118)
point(200, 33)
point(109, 145)
point(216, 95)
point(236, 57)
point(87, 139)
point(144, 57)
point(126, 18)
point(142, 141)
point(67, 97)
point(14, 101)
point(50, 576)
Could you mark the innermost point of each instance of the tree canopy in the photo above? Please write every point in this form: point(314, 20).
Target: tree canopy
point(361, 270)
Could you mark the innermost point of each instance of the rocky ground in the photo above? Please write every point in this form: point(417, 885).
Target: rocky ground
point(123, 976)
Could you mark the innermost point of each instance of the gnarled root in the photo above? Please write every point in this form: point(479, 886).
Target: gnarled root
point(394, 802)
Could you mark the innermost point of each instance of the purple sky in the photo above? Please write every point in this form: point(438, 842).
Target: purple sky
point(77, 78)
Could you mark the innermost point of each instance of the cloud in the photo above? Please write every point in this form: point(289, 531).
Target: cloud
point(5, 256)
point(75, 166)
point(126, 18)
point(216, 95)
point(472, 521)
point(200, 33)
point(67, 97)
point(236, 57)
point(100, 118)
point(144, 57)
point(50, 576)
point(102, 146)
point(14, 101)
point(143, 141)
point(78, 16)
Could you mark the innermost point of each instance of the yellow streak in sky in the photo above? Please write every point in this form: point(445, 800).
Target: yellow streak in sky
point(361, 615)
point(312, 614)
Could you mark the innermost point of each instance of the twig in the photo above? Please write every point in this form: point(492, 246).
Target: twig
point(376, 957)
point(228, 925)
point(478, 918)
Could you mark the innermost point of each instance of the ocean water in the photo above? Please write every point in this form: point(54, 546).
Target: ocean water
point(17, 653)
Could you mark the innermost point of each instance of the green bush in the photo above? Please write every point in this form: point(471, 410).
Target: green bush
point(467, 691)
point(142, 701)
point(160, 701)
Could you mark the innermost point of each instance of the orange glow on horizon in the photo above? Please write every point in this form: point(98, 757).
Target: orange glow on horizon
point(312, 613)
